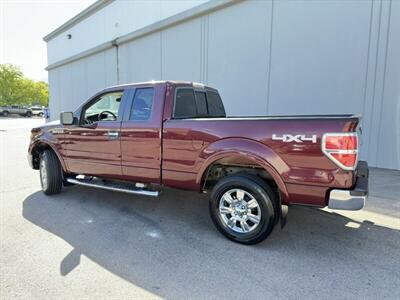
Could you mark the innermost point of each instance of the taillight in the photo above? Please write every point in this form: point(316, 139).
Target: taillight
point(341, 148)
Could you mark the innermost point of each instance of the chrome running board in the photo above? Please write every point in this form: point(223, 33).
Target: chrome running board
point(116, 187)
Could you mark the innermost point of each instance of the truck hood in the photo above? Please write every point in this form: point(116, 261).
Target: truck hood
point(52, 123)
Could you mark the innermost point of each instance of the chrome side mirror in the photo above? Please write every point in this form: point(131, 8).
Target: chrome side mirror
point(67, 118)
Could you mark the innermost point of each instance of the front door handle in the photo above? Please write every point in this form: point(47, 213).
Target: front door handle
point(112, 135)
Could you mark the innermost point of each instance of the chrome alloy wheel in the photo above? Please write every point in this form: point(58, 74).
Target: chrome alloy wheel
point(43, 173)
point(239, 210)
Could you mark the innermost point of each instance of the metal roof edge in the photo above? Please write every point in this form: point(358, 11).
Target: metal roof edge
point(91, 51)
point(149, 29)
point(87, 12)
point(181, 17)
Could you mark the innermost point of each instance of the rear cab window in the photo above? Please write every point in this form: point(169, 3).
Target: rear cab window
point(191, 103)
point(215, 105)
point(185, 105)
point(201, 104)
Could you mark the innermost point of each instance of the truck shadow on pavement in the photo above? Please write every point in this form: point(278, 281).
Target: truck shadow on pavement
point(169, 246)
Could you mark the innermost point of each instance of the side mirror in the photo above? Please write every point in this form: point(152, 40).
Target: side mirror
point(67, 118)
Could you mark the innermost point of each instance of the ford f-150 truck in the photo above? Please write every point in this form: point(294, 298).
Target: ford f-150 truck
point(138, 138)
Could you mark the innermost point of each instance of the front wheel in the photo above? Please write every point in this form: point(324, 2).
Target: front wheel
point(51, 177)
point(28, 114)
point(243, 208)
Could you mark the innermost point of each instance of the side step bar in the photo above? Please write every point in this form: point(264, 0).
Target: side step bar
point(115, 188)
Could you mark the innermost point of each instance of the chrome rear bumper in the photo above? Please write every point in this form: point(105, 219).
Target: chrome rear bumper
point(352, 199)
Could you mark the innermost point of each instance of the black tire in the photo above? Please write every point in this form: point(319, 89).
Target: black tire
point(29, 114)
point(40, 115)
point(5, 113)
point(51, 177)
point(267, 205)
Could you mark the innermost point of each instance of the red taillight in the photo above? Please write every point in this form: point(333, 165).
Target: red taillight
point(341, 148)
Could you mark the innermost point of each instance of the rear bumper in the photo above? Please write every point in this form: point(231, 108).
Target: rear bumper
point(352, 199)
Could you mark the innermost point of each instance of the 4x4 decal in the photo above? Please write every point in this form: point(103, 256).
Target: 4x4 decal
point(298, 138)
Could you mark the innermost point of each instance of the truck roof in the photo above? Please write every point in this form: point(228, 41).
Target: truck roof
point(157, 82)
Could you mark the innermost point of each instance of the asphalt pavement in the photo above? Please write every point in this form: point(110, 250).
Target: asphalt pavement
point(92, 244)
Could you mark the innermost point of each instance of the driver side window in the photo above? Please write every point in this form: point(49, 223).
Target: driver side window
point(104, 108)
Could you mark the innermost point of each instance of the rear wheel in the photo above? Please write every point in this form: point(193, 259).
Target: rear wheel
point(28, 114)
point(5, 113)
point(51, 177)
point(243, 208)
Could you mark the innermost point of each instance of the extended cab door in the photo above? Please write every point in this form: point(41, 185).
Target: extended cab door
point(183, 136)
point(141, 134)
point(93, 145)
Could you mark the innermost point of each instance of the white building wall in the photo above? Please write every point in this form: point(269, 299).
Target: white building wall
point(141, 60)
point(319, 57)
point(182, 62)
point(238, 53)
point(382, 107)
point(73, 83)
point(114, 20)
point(281, 57)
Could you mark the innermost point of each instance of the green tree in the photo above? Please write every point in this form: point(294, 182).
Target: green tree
point(15, 89)
point(41, 93)
point(10, 82)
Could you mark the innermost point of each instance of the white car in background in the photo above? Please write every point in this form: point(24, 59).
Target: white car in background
point(37, 111)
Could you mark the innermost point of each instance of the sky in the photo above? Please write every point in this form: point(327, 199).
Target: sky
point(24, 23)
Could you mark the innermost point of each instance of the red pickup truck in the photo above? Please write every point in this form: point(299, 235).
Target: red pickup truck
point(138, 138)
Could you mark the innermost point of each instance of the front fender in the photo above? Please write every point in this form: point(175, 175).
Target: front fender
point(251, 150)
point(43, 143)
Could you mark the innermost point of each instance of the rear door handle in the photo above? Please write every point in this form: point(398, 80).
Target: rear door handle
point(112, 135)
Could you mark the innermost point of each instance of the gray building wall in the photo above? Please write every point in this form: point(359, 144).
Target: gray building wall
point(268, 58)
point(73, 83)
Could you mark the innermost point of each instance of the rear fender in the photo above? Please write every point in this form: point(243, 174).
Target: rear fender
point(250, 150)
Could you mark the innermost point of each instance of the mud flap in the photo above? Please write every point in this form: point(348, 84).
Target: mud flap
point(283, 216)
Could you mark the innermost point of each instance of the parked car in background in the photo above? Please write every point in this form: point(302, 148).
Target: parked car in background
point(139, 138)
point(15, 110)
point(37, 111)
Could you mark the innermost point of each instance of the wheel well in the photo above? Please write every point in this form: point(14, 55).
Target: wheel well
point(36, 152)
point(220, 169)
